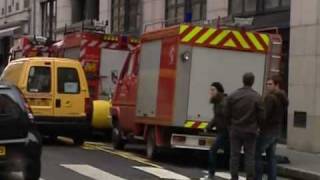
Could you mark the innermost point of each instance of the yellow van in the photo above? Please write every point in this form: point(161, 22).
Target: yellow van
point(57, 91)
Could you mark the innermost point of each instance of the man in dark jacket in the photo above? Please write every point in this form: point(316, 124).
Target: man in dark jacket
point(243, 111)
point(276, 103)
point(222, 138)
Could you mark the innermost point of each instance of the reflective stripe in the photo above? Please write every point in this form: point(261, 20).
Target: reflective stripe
point(206, 35)
point(190, 35)
point(203, 125)
point(188, 124)
point(230, 43)
point(255, 42)
point(265, 38)
point(240, 38)
point(220, 37)
point(183, 28)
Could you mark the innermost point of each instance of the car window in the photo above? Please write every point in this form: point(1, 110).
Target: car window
point(68, 81)
point(8, 107)
point(39, 79)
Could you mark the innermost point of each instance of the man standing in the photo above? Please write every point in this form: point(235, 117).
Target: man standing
point(222, 138)
point(276, 103)
point(243, 111)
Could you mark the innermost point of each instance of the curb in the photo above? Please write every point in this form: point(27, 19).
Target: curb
point(295, 173)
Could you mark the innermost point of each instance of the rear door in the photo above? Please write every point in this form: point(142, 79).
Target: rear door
point(111, 64)
point(69, 98)
point(39, 87)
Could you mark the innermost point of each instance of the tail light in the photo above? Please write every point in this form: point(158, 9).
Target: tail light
point(29, 111)
point(28, 108)
point(88, 107)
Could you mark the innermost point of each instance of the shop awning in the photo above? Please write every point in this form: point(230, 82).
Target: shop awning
point(8, 31)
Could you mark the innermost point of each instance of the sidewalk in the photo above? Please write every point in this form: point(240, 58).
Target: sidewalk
point(305, 166)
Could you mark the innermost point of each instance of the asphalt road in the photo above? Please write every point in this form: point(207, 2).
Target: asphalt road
point(61, 160)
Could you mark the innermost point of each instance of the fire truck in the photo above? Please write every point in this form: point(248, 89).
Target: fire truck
point(162, 95)
point(30, 46)
point(102, 57)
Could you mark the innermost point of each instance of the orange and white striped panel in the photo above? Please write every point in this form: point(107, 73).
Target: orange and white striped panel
point(224, 38)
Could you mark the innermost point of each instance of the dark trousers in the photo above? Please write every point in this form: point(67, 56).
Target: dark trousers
point(266, 144)
point(248, 141)
point(221, 142)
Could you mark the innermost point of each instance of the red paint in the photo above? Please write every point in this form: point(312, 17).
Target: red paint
point(167, 79)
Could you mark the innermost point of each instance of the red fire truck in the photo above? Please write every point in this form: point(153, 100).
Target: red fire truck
point(102, 57)
point(30, 46)
point(162, 93)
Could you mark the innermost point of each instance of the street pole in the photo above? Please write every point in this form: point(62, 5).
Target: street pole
point(50, 38)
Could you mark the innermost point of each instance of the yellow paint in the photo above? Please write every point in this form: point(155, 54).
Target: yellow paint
point(239, 37)
point(206, 35)
point(254, 41)
point(101, 114)
point(265, 38)
point(230, 43)
point(183, 28)
point(188, 124)
point(203, 125)
point(220, 37)
point(126, 155)
point(191, 34)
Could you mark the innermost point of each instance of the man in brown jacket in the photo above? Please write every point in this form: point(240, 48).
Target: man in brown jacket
point(243, 111)
point(275, 103)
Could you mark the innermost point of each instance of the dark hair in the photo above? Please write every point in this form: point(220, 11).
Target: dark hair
point(248, 79)
point(276, 79)
point(218, 86)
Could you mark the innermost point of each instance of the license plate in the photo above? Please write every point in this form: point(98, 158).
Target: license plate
point(2, 150)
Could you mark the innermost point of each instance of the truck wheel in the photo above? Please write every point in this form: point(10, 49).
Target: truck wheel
point(152, 149)
point(117, 140)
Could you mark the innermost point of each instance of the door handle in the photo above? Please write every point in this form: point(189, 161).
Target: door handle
point(58, 103)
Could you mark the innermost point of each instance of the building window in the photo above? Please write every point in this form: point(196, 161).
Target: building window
point(2, 11)
point(45, 17)
point(26, 3)
point(9, 9)
point(251, 7)
point(126, 16)
point(178, 10)
point(17, 6)
point(85, 10)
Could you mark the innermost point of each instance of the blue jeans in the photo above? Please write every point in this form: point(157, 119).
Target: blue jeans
point(266, 144)
point(221, 142)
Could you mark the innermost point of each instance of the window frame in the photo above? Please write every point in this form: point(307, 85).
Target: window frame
point(188, 6)
point(120, 22)
point(50, 79)
point(260, 8)
point(59, 81)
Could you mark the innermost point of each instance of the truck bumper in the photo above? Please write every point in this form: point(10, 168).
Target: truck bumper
point(186, 141)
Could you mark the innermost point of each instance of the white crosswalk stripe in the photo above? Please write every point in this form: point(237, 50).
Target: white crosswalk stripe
point(225, 175)
point(91, 172)
point(162, 173)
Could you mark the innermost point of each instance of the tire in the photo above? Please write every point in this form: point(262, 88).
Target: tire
point(117, 140)
point(32, 169)
point(152, 149)
point(78, 141)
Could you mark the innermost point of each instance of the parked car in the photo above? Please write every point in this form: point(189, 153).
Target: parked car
point(20, 142)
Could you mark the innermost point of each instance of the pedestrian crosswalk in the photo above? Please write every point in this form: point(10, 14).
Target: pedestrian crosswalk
point(95, 173)
point(91, 172)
